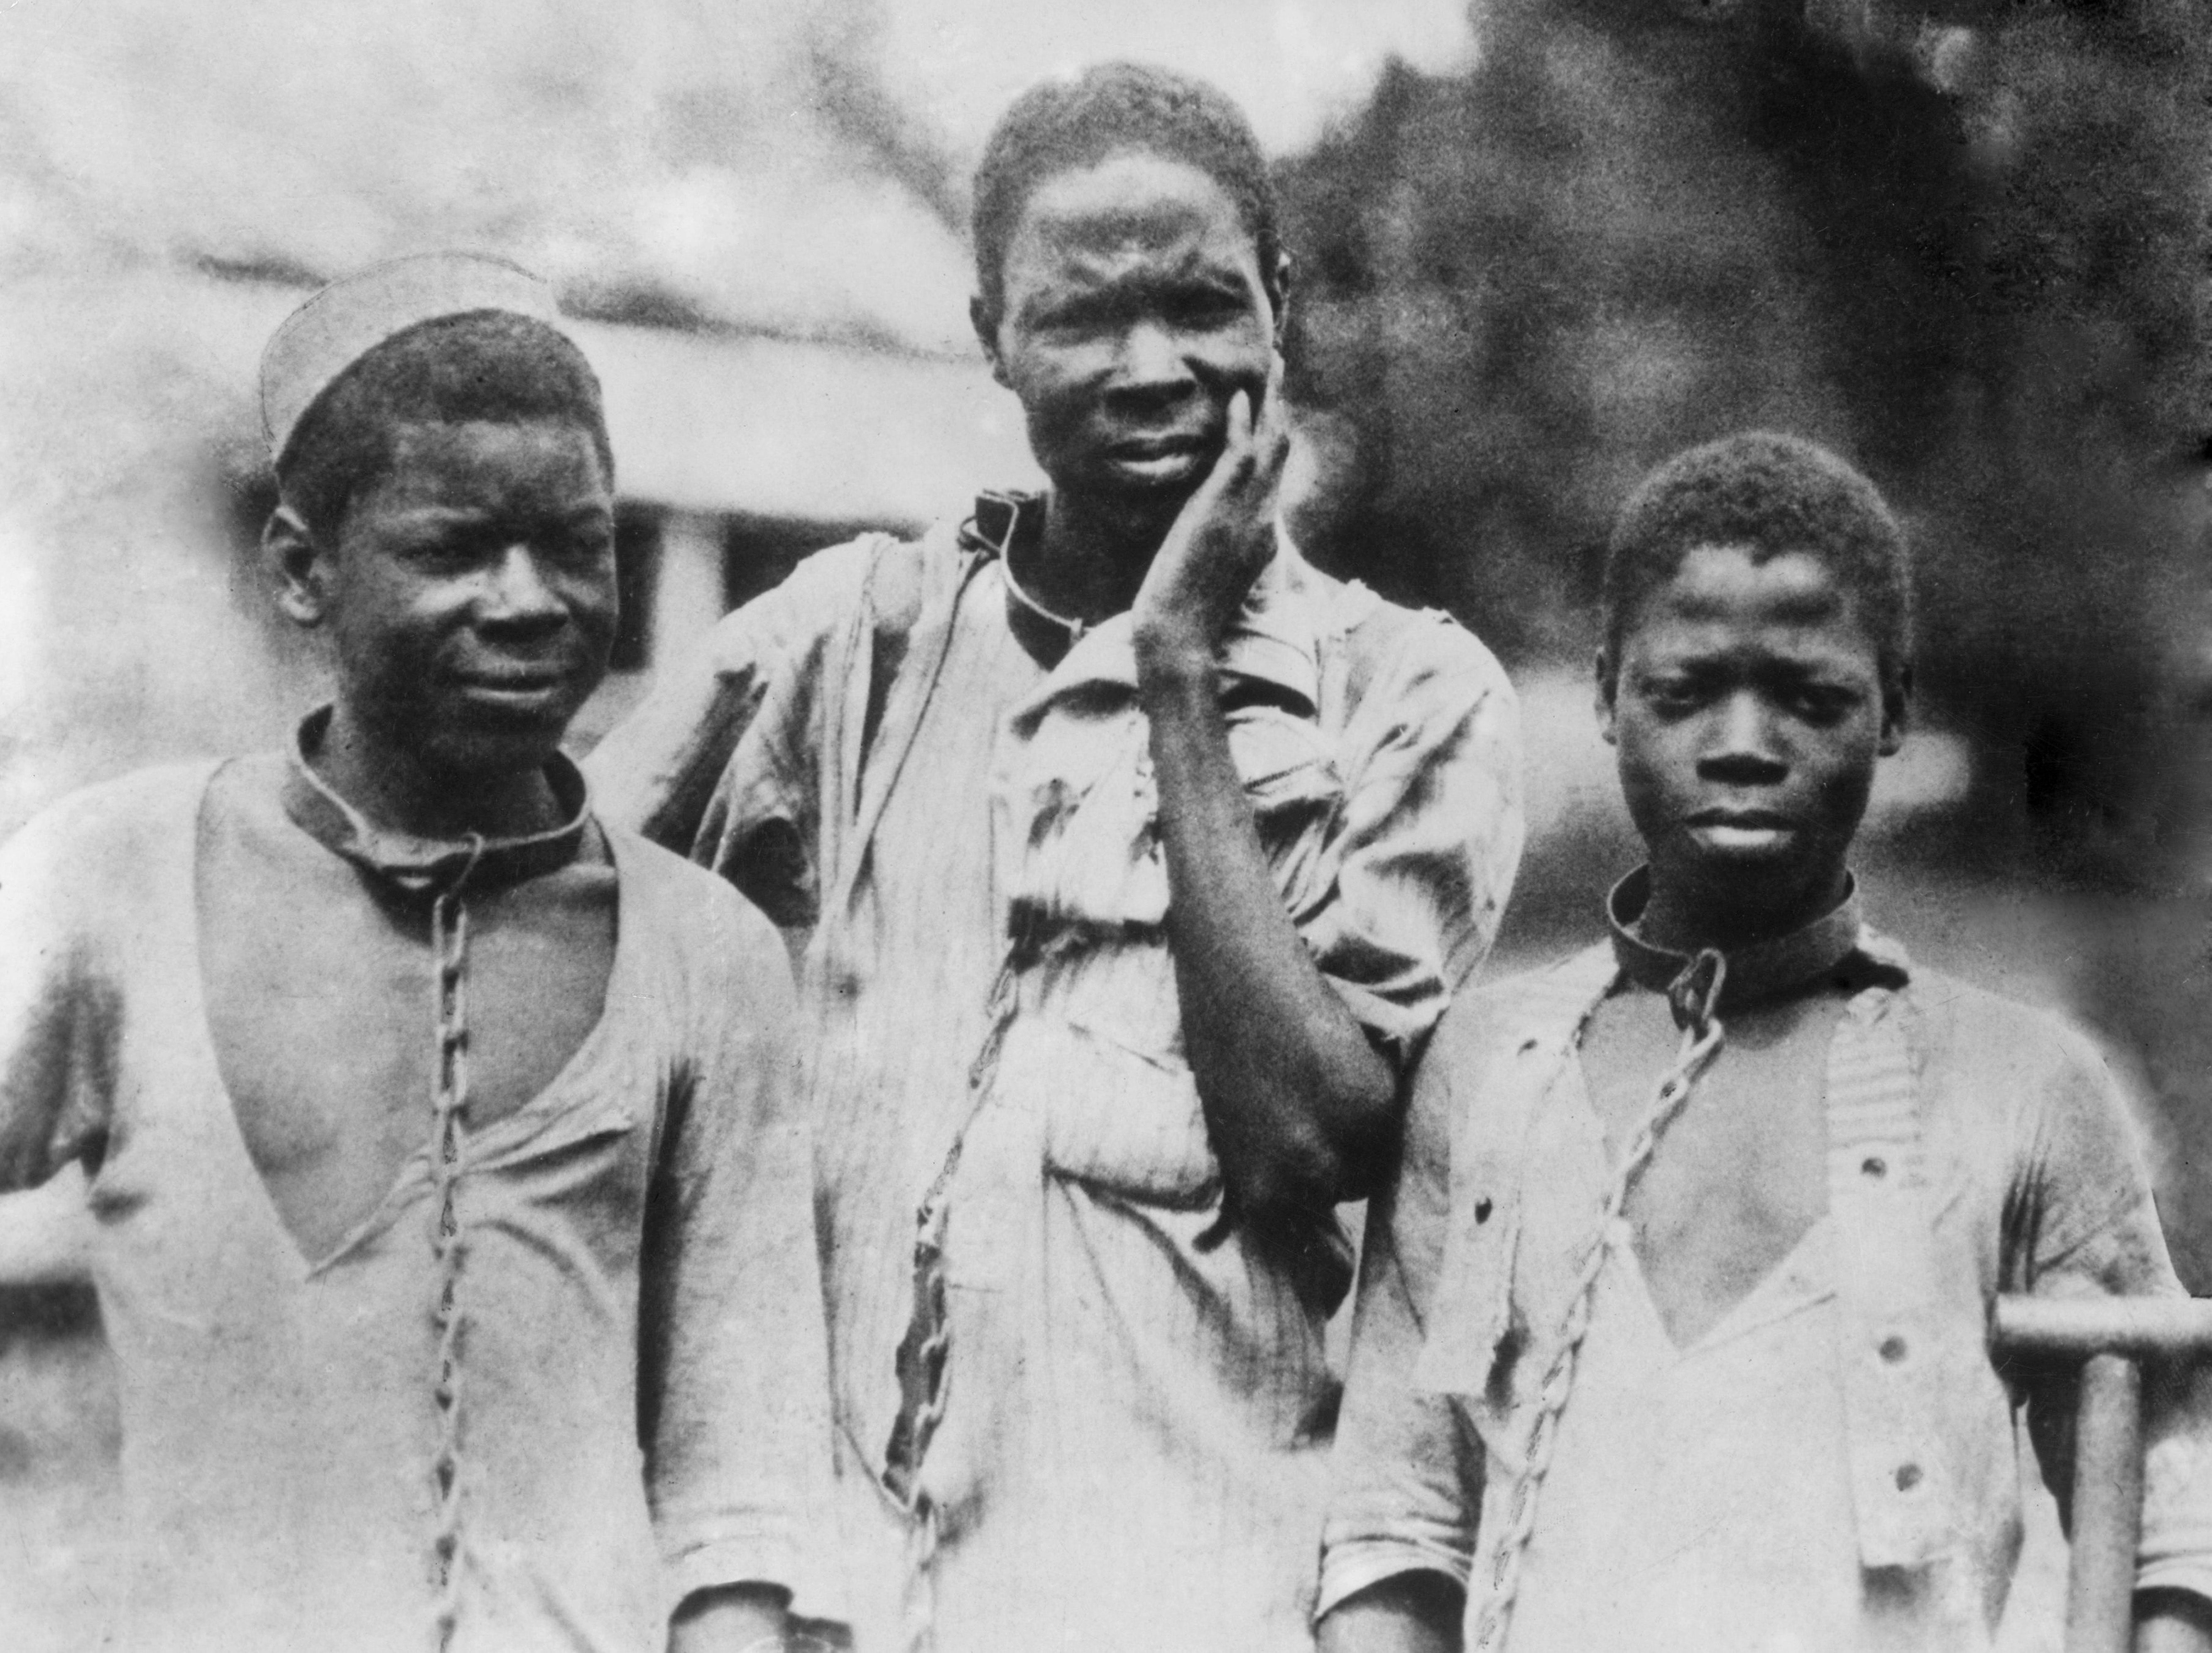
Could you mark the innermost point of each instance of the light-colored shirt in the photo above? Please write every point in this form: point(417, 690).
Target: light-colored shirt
point(642, 1393)
point(1831, 1462)
point(1132, 1449)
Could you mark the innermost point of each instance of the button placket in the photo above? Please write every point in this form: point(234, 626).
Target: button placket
point(1888, 1295)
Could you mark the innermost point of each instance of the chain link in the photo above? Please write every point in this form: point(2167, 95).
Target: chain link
point(1694, 1001)
point(918, 1608)
point(918, 1601)
point(449, 949)
point(926, 1348)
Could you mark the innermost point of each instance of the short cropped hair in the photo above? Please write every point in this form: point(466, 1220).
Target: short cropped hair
point(1772, 494)
point(1065, 124)
point(481, 365)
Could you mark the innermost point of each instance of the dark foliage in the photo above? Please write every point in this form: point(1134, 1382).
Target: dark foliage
point(1969, 251)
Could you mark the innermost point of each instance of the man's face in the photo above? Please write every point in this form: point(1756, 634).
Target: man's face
point(470, 593)
point(1749, 710)
point(1134, 309)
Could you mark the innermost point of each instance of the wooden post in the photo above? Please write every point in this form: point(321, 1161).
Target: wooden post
point(2100, 1570)
point(2109, 1337)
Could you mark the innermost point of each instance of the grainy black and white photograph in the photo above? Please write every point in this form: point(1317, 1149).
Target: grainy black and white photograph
point(1022, 826)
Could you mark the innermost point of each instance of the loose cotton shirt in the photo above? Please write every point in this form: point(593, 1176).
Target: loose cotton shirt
point(1723, 1494)
point(641, 1386)
point(1131, 1452)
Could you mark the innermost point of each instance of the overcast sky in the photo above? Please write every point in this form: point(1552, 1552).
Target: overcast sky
point(692, 148)
point(1294, 65)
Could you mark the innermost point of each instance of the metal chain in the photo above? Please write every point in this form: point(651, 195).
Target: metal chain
point(918, 1609)
point(926, 1348)
point(449, 948)
point(917, 1601)
point(1702, 1035)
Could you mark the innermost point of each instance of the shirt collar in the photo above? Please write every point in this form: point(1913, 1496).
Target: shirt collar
point(1838, 945)
point(418, 866)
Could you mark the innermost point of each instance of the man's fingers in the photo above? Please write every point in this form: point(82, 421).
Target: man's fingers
point(1272, 448)
point(1271, 440)
point(1239, 442)
point(1233, 464)
point(1271, 403)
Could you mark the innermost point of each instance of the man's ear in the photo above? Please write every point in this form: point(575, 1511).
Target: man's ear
point(1896, 710)
point(1277, 283)
point(983, 317)
point(298, 567)
point(1608, 681)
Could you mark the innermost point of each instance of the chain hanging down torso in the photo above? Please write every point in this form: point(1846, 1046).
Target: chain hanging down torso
point(449, 948)
point(1693, 995)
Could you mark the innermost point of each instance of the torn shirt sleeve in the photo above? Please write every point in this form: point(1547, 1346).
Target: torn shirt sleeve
point(720, 762)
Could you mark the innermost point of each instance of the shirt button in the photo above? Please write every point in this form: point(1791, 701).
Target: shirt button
point(1482, 1210)
point(1875, 1167)
point(1892, 1349)
point(1529, 1045)
point(1908, 1477)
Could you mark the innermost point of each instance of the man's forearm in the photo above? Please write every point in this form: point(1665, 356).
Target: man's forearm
point(1297, 1101)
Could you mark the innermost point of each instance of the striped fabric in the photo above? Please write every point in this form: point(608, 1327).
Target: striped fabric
point(1130, 1452)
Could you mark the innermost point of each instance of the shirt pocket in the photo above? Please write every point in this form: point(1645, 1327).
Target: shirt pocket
point(1294, 788)
point(1119, 1119)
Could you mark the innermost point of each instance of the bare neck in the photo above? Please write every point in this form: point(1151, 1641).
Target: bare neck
point(1092, 557)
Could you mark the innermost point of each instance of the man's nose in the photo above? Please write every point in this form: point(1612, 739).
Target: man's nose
point(1152, 358)
point(517, 592)
point(1744, 747)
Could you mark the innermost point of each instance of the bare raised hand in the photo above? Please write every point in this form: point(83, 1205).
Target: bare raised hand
point(1222, 538)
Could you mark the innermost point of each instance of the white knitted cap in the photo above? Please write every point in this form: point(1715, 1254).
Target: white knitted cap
point(355, 314)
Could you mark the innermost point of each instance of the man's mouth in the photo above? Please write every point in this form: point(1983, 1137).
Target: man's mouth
point(1160, 457)
point(1743, 829)
point(1722, 816)
point(514, 685)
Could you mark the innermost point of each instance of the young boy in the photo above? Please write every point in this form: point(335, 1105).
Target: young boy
point(1674, 1330)
point(455, 1239)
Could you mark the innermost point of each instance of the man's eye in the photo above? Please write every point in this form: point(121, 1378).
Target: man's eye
point(1673, 695)
point(1070, 321)
point(1205, 309)
point(581, 546)
point(445, 551)
point(1819, 704)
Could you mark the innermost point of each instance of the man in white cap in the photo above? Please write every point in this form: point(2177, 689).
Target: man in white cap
point(453, 1230)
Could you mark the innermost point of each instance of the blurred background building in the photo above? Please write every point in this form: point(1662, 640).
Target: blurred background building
point(1540, 244)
